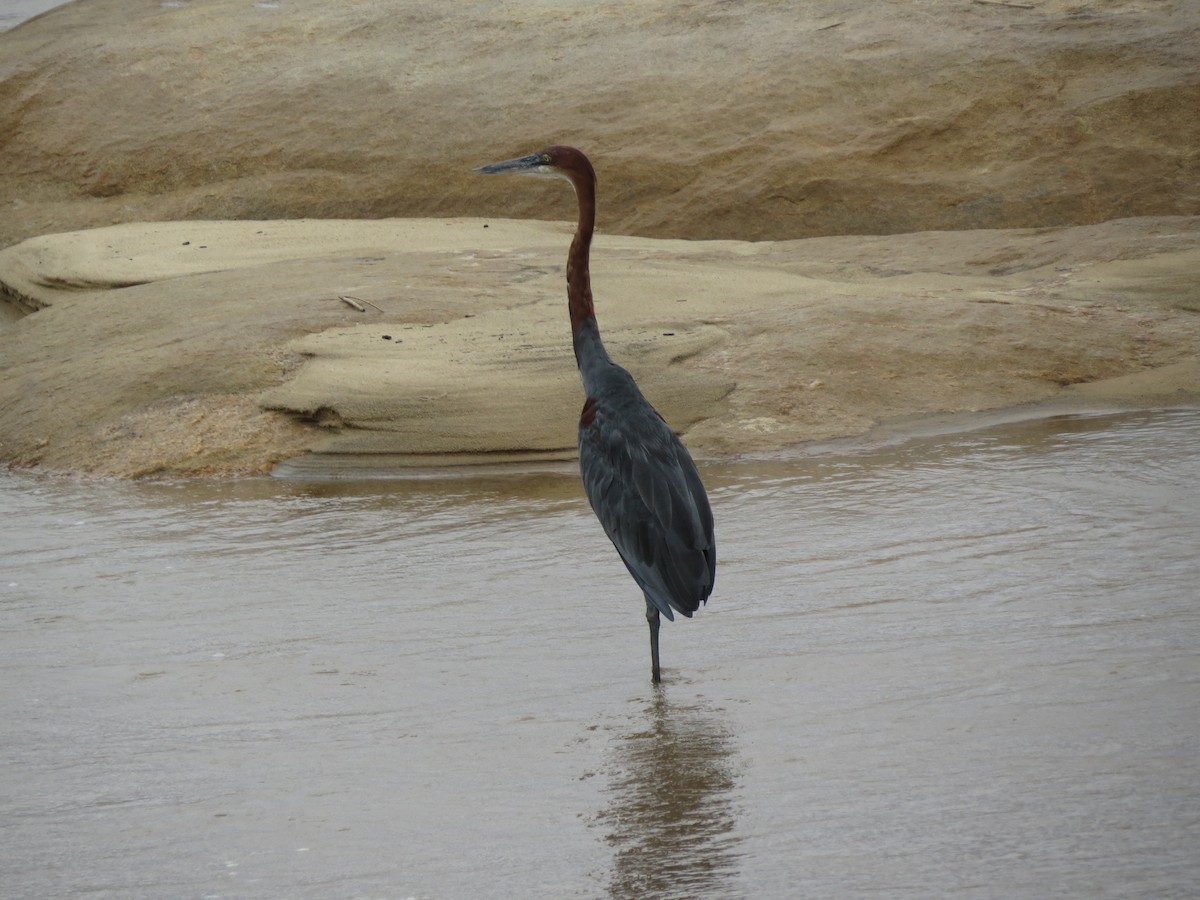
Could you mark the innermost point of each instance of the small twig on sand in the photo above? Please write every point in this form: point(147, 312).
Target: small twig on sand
point(827, 27)
point(357, 302)
point(1006, 3)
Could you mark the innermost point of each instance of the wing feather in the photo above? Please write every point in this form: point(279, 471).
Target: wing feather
point(646, 492)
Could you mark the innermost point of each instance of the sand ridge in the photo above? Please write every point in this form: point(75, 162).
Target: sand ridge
point(224, 347)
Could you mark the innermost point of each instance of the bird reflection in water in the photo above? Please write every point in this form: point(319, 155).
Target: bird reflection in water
point(672, 814)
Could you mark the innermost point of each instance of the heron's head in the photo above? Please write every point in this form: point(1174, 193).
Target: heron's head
point(553, 162)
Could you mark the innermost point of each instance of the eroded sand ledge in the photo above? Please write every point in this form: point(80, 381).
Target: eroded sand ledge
point(223, 347)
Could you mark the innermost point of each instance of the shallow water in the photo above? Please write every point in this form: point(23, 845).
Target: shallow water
point(961, 666)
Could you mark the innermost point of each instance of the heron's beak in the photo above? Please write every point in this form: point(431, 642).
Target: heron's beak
point(522, 165)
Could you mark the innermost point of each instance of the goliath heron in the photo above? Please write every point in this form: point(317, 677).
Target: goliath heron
point(638, 476)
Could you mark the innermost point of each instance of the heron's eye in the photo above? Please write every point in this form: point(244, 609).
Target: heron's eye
point(545, 160)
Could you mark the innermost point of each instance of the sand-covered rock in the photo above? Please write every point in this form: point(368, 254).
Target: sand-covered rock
point(220, 347)
point(750, 120)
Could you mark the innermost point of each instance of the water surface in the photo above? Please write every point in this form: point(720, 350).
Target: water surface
point(960, 666)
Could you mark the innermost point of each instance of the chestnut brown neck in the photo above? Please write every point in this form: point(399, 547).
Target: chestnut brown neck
point(579, 283)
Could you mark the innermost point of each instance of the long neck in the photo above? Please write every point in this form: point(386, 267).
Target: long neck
point(579, 282)
point(585, 333)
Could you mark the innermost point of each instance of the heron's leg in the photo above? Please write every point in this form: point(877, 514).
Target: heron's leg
point(654, 621)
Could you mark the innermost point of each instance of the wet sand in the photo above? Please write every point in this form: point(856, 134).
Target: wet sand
point(956, 666)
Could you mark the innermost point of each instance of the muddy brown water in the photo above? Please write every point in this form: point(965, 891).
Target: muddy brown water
point(959, 666)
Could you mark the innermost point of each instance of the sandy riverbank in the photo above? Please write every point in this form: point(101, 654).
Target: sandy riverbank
point(223, 347)
point(1022, 179)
